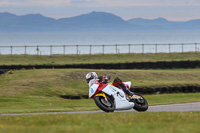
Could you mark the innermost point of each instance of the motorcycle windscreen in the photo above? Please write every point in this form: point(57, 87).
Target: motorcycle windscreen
point(128, 83)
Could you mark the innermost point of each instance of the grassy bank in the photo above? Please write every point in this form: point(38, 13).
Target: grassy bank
point(173, 122)
point(40, 90)
point(55, 82)
point(97, 58)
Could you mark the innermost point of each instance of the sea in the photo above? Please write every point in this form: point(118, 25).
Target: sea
point(49, 43)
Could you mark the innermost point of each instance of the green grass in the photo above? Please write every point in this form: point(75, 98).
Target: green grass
point(26, 104)
point(55, 82)
point(172, 98)
point(40, 90)
point(164, 122)
point(44, 104)
point(97, 58)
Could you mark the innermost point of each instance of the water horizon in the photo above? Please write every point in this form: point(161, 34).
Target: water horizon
point(97, 38)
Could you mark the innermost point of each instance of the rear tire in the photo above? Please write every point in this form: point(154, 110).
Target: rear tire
point(107, 107)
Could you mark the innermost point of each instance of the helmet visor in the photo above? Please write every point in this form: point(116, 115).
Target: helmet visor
point(88, 80)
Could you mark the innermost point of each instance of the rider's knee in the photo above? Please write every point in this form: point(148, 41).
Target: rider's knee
point(117, 80)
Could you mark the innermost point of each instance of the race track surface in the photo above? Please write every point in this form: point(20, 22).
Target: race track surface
point(184, 107)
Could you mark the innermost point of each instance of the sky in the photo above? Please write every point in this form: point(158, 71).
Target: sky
point(175, 10)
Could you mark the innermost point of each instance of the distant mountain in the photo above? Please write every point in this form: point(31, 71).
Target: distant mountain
point(149, 22)
point(30, 22)
point(163, 24)
point(94, 21)
point(6, 15)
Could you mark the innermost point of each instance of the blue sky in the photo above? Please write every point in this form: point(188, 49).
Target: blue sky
point(177, 10)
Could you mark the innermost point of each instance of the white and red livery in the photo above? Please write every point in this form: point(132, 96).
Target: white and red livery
point(110, 98)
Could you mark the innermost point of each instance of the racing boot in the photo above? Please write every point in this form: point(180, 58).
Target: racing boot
point(118, 83)
point(127, 91)
point(132, 95)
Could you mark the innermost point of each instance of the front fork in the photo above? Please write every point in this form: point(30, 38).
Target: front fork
point(103, 95)
point(135, 98)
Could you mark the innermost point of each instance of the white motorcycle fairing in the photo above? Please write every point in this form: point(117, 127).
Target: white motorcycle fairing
point(93, 89)
point(121, 103)
point(128, 83)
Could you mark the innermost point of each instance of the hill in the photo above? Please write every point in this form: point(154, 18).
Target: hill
point(163, 24)
point(94, 21)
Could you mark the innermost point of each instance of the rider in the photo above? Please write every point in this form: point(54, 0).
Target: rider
point(92, 77)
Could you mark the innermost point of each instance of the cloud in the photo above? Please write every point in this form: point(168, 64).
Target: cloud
point(101, 3)
point(82, 1)
point(148, 3)
point(47, 2)
point(34, 2)
point(77, 1)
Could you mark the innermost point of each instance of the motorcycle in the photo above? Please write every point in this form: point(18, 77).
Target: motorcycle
point(110, 98)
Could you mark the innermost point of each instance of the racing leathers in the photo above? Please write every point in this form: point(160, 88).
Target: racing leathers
point(117, 83)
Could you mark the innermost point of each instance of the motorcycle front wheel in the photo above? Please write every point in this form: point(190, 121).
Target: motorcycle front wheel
point(140, 104)
point(104, 104)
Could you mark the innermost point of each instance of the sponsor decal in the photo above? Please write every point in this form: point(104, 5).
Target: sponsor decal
point(120, 94)
point(112, 89)
point(91, 90)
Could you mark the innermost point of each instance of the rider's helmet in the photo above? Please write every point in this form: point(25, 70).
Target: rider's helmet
point(90, 76)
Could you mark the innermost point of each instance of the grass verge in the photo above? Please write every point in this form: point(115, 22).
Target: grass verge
point(164, 122)
point(97, 58)
point(28, 104)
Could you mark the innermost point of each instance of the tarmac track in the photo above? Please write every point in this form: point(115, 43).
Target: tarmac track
point(184, 107)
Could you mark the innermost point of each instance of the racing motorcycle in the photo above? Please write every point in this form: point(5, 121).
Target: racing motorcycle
point(110, 98)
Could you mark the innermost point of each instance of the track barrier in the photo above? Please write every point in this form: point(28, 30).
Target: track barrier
point(151, 90)
point(128, 65)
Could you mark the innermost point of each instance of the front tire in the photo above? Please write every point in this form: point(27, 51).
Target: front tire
point(107, 106)
point(140, 105)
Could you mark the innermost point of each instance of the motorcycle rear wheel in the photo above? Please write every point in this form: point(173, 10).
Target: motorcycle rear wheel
point(105, 105)
point(141, 105)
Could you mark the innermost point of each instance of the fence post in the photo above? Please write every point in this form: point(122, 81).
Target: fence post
point(196, 47)
point(11, 50)
point(156, 45)
point(116, 48)
point(103, 49)
point(76, 49)
point(50, 50)
point(25, 50)
point(90, 49)
point(37, 49)
point(142, 48)
point(64, 49)
point(129, 48)
point(169, 48)
point(182, 48)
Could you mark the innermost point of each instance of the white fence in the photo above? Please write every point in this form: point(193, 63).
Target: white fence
point(100, 49)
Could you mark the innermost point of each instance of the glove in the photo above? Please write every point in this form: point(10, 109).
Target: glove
point(107, 77)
